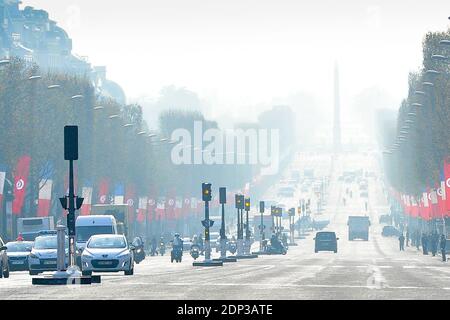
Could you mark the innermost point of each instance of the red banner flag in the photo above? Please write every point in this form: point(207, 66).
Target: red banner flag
point(130, 201)
point(103, 191)
point(87, 195)
point(20, 183)
point(151, 207)
point(447, 184)
point(45, 197)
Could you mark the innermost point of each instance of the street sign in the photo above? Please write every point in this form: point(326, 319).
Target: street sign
point(208, 223)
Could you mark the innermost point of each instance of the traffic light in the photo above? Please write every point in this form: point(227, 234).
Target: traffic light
point(71, 143)
point(247, 204)
point(262, 206)
point(292, 212)
point(299, 210)
point(240, 199)
point(236, 201)
point(71, 224)
point(206, 192)
point(223, 195)
point(273, 210)
point(280, 212)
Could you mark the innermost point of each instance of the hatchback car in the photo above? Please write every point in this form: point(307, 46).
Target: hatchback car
point(18, 253)
point(4, 265)
point(43, 255)
point(107, 253)
point(325, 241)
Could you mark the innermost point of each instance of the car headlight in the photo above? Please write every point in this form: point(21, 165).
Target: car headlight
point(123, 255)
point(33, 256)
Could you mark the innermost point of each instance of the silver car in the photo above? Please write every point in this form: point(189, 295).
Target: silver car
point(18, 252)
point(107, 253)
point(43, 255)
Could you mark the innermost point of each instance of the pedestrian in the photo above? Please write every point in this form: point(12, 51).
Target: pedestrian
point(417, 239)
point(407, 236)
point(443, 246)
point(401, 240)
point(434, 243)
point(425, 243)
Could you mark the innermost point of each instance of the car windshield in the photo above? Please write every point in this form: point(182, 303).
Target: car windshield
point(19, 246)
point(43, 243)
point(107, 243)
point(326, 236)
point(86, 232)
point(30, 236)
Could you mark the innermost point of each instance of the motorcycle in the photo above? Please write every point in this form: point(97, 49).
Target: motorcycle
point(281, 249)
point(176, 254)
point(195, 252)
point(162, 248)
point(139, 255)
point(138, 249)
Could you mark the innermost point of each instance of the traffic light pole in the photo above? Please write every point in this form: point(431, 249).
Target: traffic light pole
point(223, 237)
point(207, 238)
point(71, 216)
point(247, 234)
point(240, 242)
point(261, 226)
point(207, 224)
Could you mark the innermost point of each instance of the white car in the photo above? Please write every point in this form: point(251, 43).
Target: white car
point(107, 253)
point(43, 255)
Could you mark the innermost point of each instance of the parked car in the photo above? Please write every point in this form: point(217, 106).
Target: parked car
point(43, 254)
point(18, 253)
point(107, 253)
point(390, 231)
point(4, 264)
point(325, 241)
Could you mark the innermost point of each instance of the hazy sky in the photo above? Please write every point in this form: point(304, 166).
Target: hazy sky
point(243, 52)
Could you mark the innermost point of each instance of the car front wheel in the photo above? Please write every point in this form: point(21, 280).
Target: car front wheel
point(6, 273)
point(129, 272)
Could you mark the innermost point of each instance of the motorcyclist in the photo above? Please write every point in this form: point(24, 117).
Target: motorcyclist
point(200, 244)
point(162, 246)
point(177, 242)
point(284, 239)
point(275, 242)
point(177, 248)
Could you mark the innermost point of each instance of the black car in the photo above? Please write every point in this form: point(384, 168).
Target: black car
point(4, 263)
point(390, 231)
point(326, 241)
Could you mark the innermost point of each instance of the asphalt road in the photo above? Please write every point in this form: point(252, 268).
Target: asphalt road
point(360, 270)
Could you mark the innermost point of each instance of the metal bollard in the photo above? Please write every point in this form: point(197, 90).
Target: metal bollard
point(61, 251)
